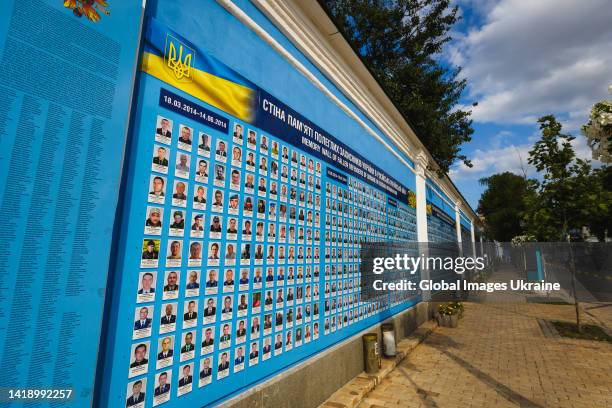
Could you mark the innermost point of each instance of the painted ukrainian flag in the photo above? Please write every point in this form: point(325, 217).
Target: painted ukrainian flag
point(169, 57)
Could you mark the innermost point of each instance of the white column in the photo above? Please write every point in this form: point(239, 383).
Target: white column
point(473, 234)
point(421, 214)
point(458, 223)
point(421, 198)
point(481, 246)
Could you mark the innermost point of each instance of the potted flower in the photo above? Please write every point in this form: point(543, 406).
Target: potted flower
point(459, 307)
point(448, 315)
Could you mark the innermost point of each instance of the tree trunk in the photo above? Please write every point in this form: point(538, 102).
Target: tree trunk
point(573, 272)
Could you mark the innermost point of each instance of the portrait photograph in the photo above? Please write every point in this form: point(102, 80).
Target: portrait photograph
point(196, 229)
point(154, 220)
point(161, 392)
point(263, 145)
point(225, 335)
point(251, 139)
point(177, 224)
point(185, 139)
point(195, 254)
point(217, 200)
point(159, 162)
point(238, 133)
point(221, 151)
point(234, 204)
point(179, 193)
point(214, 253)
point(171, 284)
point(167, 319)
point(210, 310)
point(136, 393)
point(202, 169)
point(235, 179)
point(150, 253)
point(165, 352)
point(157, 189)
point(212, 281)
point(249, 183)
point(219, 175)
point(236, 156)
point(224, 364)
point(147, 281)
point(188, 342)
point(163, 131)
point(185, 383)
point(139, 359)
point(253, 354)
point(205, 376)
point(174, 253)
point(143, 322)
point(192, 287)
point(239, 359)
point(204, 144)
point(227, 305)
point(183, 165)
point(208, 340)
point(190, 313)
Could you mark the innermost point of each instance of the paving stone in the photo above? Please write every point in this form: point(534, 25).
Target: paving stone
point(499, 356)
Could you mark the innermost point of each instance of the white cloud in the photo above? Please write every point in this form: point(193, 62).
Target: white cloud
point(512, 158)
point(531, 58)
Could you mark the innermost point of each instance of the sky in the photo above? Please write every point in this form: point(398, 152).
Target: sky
point(524, 59)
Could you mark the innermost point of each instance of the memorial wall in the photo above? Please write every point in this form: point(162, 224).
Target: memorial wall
point(185, 207)
point(240, 246)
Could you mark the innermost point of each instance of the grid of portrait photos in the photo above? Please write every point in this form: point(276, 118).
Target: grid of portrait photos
point(438, 229)
point(231, 253)
point(356, 213)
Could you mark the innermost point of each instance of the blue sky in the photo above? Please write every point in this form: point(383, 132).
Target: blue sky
point(524, 59)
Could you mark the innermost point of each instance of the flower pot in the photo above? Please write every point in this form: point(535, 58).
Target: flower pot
point(453, 320)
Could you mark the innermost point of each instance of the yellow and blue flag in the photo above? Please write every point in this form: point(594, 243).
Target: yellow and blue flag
point(171, 58)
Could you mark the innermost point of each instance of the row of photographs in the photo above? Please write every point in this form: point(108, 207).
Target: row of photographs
point(249, 254)
point(248, 279)
point(229, 306)
point(262, 144)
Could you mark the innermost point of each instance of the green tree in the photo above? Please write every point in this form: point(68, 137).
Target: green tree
point(570, 194)
point(502, 204)
point(399, 41)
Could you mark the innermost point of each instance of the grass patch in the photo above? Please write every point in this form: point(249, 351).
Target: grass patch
point(589, 331)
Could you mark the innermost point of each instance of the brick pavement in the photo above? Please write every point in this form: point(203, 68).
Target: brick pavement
point(499, 357)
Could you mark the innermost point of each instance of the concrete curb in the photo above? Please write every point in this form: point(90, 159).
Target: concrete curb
point(353, 392)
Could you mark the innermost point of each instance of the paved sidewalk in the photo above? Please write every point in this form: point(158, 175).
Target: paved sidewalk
point(499, 357)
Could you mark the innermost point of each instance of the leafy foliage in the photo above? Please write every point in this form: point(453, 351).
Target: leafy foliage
point(571, 194)
point(398, 40)
point(598, 130)
point(502, 204)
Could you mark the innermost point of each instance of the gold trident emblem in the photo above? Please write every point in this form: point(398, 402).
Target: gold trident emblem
point(180, 67)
